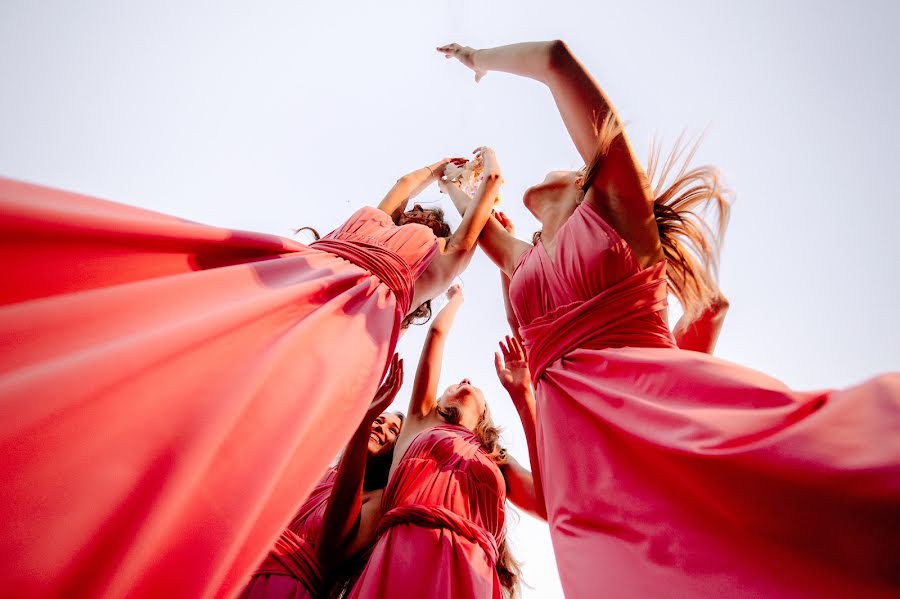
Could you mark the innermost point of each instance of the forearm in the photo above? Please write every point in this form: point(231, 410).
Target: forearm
point(460, 199)
point(702, 333)
point(520, 489)
point(528, 59)
point(411, 184)
point(477, 212)
point(528, 416)
point(444, 320)
point(423, 397)
point(344, 504)
point(408, 186)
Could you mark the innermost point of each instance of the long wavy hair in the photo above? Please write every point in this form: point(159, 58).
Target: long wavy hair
point(684, 197)
point(433, 218)
point(509, 570)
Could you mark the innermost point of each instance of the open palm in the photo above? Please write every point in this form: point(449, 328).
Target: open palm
point(512, 365)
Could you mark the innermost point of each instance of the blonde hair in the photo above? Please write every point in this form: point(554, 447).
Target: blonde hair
point(681, 208)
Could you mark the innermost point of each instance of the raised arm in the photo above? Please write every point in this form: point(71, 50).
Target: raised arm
point(495, 240)
point(342, 514)
point(702, 333)
point(524, 488)
point(581, 102)
point(498, 240)
point(478, 212)
point(412, 184)
point(424, 392)
point(583, 106)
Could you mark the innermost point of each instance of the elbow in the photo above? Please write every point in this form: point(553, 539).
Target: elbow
point(404, 180)
point(720, 304)
point(438, 331)
point(460, 247)
point(558, 54)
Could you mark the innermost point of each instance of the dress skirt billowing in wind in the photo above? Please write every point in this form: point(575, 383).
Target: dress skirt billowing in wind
point(673, 473)
point(170, 392)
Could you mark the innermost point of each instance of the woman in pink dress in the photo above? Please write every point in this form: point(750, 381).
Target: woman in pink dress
point(444, 523)
point(171, 392)
point(338, 520)
point(668, 471)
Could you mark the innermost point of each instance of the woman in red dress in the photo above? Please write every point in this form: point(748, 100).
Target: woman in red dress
point(669, 471)
point(160, 376)
point(338, 520)
point(444, 523)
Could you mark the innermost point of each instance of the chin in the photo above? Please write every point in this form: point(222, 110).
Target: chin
point(529, 200)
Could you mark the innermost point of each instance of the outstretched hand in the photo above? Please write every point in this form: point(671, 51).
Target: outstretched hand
point(388, 389)
point(512, 368)
point(465, 55)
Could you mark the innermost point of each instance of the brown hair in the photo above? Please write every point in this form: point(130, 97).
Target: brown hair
point(420, 315)
point(315, 233)
point(690, 245)
point(433, 218)
point(509, 571)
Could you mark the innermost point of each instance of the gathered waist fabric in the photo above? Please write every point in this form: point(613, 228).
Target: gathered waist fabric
point(294, 556)
point(387, 266)
point(433, 516)
point(625, 315)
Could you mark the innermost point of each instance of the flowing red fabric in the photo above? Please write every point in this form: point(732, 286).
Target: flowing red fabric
point(170, 392)
point(444, 514)
point(673, 473)
point(292, 569)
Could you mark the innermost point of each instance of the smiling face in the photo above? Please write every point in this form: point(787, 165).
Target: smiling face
point(467, 400)
point(383, 435)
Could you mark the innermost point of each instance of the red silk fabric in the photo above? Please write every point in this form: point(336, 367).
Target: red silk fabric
point(170, 392)
point(673, 473)
point(445, 511)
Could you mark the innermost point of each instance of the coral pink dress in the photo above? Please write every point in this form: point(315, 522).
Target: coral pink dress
point(292, 569)
point(444, 513)
point(171, 392)
point(673, 473)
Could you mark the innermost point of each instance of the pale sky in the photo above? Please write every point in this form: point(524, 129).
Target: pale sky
point(273, 115)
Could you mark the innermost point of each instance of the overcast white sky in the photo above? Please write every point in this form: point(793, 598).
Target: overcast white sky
point(271, 115)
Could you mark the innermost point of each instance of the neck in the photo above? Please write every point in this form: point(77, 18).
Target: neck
point(554, 217)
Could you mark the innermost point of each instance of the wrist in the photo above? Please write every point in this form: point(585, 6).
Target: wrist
point(476, 62)
point(519, 394)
